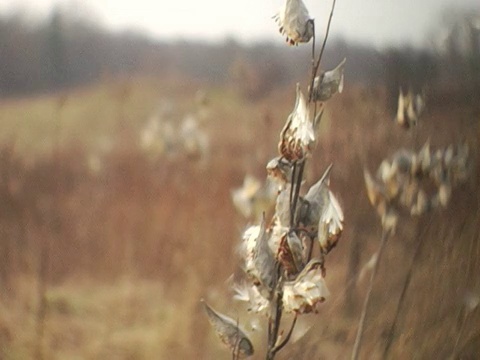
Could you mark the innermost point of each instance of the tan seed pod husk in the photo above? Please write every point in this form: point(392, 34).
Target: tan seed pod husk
point(229, 332)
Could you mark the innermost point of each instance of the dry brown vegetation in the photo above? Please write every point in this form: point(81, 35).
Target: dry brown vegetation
point(129, 245)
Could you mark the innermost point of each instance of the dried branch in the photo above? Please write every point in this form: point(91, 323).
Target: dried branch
point(317, 65)
point(361, 325)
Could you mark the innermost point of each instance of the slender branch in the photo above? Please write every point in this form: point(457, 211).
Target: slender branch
point(297, 192)
point(317, 65)
point(236, 348)
point(361, 325)
point(276, 306)
point(406, 284)
point(276, 326)
point(292, 191)
point(287, 338)
point(459, 336)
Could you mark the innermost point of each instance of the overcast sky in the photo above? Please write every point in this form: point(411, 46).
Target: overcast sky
point(380, 22)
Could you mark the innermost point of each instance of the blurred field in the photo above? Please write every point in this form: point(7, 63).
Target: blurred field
point(119, 246)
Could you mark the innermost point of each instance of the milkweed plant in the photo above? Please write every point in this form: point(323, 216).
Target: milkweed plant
point(284, 257)
point(410, 183)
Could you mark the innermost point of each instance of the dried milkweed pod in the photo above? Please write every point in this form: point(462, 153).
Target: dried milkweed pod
point(409, 109)
point(411, 113)
point(308, 290)
point(330, 226)
point(421, 205)
point(401, 118)
point(459, 168)
point(229, 332)
point(322, 212)
point(380, 201)
point(280, 170)
point(444, 193)
point(376, 193)
point(247, 247)
point(315, 200)
point(297, 138)
point(294, 22)
point(388, 174)
point(254, 198)
point(282, 207)
point(425, 158)
point(263, 271)
point(329, 83)
point(290, 253)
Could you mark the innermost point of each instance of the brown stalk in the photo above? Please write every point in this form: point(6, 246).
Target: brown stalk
point(406, 284)
point(317, 64)
point(44, 260)
point(361, 324)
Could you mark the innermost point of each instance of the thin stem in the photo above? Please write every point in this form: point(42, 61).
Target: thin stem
point(276, 326)
point(297, 192)
point(292, 191)
point(314, 40)
point(361, 325)
point(276, 302)
point(236, 348)
point(401, 301)
point(459, 336)
point(296, 182)
point(317, 65)
point(287, 338)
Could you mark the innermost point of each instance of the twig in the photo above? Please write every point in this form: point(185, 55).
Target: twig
point(287, 338)
point(459, 336)
point(317, 65)
point(276, 326)
point(406, 284)
point(361, 325)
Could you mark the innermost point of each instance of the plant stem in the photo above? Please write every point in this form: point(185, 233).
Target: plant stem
point(317, 65)
point(361, 325)
point(273, 336)
point(406, 284)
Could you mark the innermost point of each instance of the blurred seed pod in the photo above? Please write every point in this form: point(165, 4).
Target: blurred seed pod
point(229, 332)
point(376, 193)
point(390, 220)
point(425, 158)
point(243, 197)
point(254, 198)
point(307, 291)
point(444, 193)
point(411, 113)
point(379, 200)
point(422, 204)
point(409, 109)
point(294, 22)
point(329, 83)
point(401, 119)
point(459, 167)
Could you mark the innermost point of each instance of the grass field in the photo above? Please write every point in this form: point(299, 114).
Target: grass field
point(120, 246)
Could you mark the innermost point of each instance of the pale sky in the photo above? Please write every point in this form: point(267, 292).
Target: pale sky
point(376, 21)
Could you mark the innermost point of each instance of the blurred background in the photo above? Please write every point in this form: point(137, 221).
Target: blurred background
point(126, 125)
